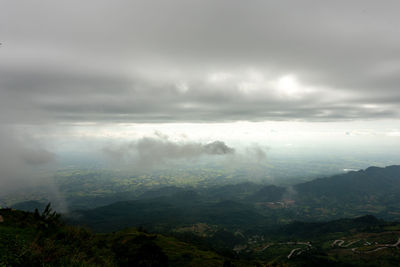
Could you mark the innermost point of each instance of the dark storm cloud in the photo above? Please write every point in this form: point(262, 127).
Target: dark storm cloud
point(151, 61)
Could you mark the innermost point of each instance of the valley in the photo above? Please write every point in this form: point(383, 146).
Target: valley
point(345, 218)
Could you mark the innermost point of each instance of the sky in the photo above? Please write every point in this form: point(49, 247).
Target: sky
point(96, 75)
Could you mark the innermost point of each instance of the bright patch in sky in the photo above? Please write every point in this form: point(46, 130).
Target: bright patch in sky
point(289, 85)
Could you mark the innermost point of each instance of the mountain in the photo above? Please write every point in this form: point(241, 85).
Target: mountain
point(300, 229)
point(335, 221)
point(372, 181)
point(183, 208)
point(371, 191)
point(231, 191)
point(42, 239)
point(250, 206)
point(269, 193)
point(161, 192)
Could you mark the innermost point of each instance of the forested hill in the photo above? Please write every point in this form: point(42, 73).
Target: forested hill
point(372, 181)
point(370, 191)
point(373, 191)
point(42, 239)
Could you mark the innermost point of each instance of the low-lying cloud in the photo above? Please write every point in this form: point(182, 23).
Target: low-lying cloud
point(20, 157)
point(150, 151)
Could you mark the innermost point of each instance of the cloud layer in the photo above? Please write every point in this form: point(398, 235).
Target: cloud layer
point(180, 61)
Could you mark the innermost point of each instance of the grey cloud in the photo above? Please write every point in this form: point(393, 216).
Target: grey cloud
point(38, 156)
point(257, 152)
point(26, 167)
point(218, 148)
point(73, 97)
point(64, 62)
point(20, 156)
point(149, 151)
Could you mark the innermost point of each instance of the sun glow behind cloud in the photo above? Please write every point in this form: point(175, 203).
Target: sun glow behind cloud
point(289, 86)
point(257, 83)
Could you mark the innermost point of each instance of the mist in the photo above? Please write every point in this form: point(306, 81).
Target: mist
point(27, 167)
point(21, 160)
point(149, 152)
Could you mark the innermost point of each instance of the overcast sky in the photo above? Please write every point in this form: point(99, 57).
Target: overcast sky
point(196, 71)
point(198, 61)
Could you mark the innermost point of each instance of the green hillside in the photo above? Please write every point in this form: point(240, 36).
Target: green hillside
point(33, 239)
point(42, 239)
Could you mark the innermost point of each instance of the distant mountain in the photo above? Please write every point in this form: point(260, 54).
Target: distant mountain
point(373, 180)
point(248, 206)
point(371, 191)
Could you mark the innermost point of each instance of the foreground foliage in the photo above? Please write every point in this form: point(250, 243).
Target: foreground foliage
point(42, 239)
point(34, 239)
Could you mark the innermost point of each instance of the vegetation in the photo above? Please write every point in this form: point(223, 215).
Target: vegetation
point(42, 239)
point(239, 224)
